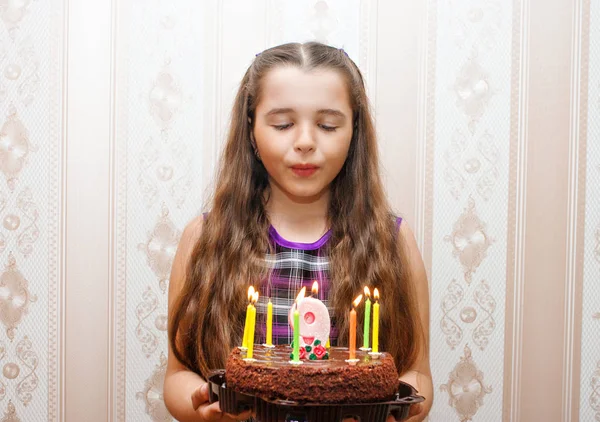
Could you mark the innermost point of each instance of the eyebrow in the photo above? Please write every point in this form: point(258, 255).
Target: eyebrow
point(330, 111)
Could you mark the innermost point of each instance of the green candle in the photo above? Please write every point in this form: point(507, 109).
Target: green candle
point(367, 323)
point(296, 327)
point(296, 357)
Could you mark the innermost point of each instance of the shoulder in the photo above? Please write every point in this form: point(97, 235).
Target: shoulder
point(411, 249)
point(187, 242)
point(191, 232)
point(406, 235)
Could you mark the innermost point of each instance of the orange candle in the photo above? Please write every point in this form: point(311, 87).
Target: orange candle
point(352, 342)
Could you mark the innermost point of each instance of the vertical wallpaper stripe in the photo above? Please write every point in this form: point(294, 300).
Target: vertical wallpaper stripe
point(589, 402)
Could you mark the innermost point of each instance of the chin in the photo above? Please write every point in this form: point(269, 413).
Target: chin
point(305, 195)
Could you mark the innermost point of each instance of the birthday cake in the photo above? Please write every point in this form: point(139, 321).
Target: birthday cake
point(271, 376)
point(311, 372)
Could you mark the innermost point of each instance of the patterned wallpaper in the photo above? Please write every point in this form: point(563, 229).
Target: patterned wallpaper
point(159, 122)
point(471, 153)
point(176, 68)
point(590, 350)
point(171, 120)
point(30, 126)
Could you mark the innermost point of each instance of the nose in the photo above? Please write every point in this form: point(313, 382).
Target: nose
point(305, 141)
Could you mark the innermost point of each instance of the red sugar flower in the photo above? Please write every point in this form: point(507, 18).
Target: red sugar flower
point(319, 351)
point(302, 353)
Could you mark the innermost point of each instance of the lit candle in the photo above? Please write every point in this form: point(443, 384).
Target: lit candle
point(269, 323)
point(252, 326)
point(352, 343)
point(296, 351)
point(246, 325)
point(315, 323)
point(367, 323)
point(376, 322)
point(314, 291)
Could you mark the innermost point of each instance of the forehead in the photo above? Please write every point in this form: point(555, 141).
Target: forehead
point(302, 90)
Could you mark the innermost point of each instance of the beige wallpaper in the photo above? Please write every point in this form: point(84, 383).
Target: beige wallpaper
point(112, 116)
point(30, 210)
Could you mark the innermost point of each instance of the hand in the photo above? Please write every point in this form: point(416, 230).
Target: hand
point(415, 410)
point(412, 378)
point(212, 412)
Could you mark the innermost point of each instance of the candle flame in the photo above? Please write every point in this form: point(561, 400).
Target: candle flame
point(250, 293)
point(357, 300)
point(315, 288)
point(376, 294)
point(301, 295)
point(367, 292)
point(255, 298)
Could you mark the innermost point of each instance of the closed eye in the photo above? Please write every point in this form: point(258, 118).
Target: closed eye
point(328, 128)
point(282, 127)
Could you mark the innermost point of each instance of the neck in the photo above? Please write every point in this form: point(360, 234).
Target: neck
point(298, 219)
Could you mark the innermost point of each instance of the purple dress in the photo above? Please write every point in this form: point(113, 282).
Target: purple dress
point(293, 265)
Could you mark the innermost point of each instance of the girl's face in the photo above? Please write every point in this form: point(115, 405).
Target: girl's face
point(303, 127)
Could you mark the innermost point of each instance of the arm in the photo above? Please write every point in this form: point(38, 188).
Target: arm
point(419, 376)
point(185, 392)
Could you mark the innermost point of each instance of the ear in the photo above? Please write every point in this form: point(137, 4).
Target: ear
point(252, 140)
point(251, 131)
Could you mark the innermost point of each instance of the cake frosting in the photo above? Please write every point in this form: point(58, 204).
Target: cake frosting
point(271, 376)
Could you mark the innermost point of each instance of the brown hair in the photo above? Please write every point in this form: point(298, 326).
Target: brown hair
point(364, 249)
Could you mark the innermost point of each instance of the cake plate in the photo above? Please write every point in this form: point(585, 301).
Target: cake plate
point(234, 402)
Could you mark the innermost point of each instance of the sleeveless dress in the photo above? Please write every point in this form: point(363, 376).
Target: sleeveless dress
point(294, 265)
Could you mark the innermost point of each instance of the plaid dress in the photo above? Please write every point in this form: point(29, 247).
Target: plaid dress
point(292, 266)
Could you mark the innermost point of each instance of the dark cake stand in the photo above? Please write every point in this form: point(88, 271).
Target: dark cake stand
point(234, 402)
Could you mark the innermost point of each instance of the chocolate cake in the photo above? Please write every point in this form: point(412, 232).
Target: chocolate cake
point(333, 381)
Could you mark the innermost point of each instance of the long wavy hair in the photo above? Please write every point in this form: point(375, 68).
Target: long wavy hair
point(365, 247)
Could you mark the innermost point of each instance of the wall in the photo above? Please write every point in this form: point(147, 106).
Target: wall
point(113, 115)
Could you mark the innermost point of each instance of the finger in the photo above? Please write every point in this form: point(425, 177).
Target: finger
point(200, 396)
point(212, 412)
point(240, 417)
point(390, 418)
point(415, 409)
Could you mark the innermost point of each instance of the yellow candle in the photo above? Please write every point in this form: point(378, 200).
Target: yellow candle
point(376, 322)
point(246, 325)
point(252, 326)
point(269, 323)
point(327, 345)
point(352, 345)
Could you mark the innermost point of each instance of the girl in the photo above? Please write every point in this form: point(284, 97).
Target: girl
point(298, 197)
